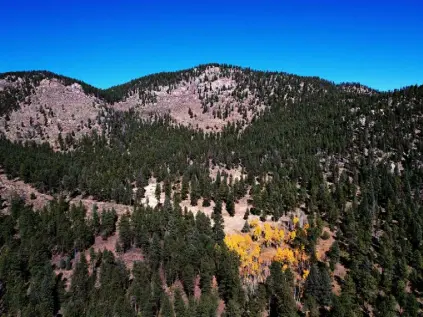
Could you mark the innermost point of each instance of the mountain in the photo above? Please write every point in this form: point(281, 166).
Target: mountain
point(225, 191)
point(38, 105)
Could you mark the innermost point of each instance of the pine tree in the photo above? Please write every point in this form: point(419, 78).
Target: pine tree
point(180, 308)
point(95, 220)
point(195, 192)
point(188, 277)
point(230, 205)
point(167, 309)
point(318, 285)
point(218, 233)
point(247, 214)
point(185, 187)
point(155, 252)
point(334, 255)
point(217, 209)
point(167, 187)
point(79, 289)
point(125, 232)
point(158, 192)
point(246, 227)
point(385, 306)
point(280, 291)
point(232, 309)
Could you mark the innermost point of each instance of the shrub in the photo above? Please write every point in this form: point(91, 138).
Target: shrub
point(62, 264)
point(255, 211)
point(325, 235)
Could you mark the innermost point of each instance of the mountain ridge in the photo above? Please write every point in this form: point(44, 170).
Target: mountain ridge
point(45, 106)
point(206, 97)
point(143, 77)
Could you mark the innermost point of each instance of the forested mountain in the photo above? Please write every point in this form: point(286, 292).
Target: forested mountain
point(278, 195)
point(40, 105)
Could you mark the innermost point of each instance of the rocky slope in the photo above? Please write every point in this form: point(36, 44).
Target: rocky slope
point(43, 106)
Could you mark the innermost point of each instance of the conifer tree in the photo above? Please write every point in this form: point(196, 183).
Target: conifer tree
point(218, 233)
point(281, 299)
point(246, 227)
point(125, 232)
point(185, 187)
point(180, 308)
point(167, 309)
point(158, 192)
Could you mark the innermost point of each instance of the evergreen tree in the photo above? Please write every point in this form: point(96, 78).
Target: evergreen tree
point(158, 192)
point(167, 309)
point(318, 285)
point(218, 233)
point(185, 187)
point(334, 255)
point(246, 227)
point(79, 289)
point(230, 205)
point(125, 232)
point(95, 224)
point(180, 308)
point(280, 290)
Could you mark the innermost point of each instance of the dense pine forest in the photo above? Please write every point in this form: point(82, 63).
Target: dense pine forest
point(345, 157)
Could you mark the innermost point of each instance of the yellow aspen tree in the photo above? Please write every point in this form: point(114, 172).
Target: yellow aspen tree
point(268, 234)
point(254, 223)
point(257, 232)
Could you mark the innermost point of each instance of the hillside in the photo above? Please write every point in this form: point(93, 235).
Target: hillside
point(39, 105)
point(247, 194)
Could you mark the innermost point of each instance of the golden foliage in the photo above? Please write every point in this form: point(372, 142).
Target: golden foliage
point(267, 234)
point(278, 236)
point(248, 251)
point(272, 235)
point(257, 233)
point(253, 249)
point(285, 256)
point(254, 223)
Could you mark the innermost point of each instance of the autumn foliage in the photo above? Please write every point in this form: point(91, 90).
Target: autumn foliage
point(267, 239)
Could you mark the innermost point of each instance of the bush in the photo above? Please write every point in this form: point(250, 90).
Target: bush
point(104, 235)
point(32, 196)
point(325, 235)
point(255, 211)
point(206, 202)
point(62, 264)
point(68, 264)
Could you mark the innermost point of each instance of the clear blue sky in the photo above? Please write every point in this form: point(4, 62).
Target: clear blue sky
point(110, 42)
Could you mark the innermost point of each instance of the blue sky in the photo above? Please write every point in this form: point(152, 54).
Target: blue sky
point(377, 43)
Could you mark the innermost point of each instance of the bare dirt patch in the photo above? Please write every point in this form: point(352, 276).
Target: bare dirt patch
point(16, 187)
point(236, 173)
point(323, 246)
point(339, 272)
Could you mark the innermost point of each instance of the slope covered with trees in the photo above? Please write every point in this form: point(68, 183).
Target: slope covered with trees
point(348, 157)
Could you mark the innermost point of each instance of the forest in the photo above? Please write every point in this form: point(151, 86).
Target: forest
point(351, 162)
